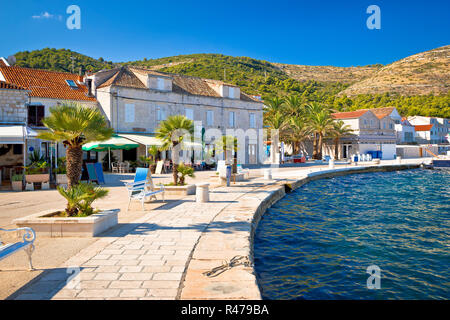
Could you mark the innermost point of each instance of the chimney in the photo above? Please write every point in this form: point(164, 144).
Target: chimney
point(89, 86)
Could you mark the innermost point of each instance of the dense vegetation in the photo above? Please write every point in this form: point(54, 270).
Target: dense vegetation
point(60, 60)
point(255, 77)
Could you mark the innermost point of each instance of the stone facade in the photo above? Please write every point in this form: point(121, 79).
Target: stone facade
point(12, 106)
point(139, 110)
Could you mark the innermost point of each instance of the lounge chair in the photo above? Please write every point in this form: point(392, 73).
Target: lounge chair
point(242, 170)
point(141, 194)
point(142, 187)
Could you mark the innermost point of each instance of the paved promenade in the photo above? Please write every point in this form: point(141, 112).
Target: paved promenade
point(163, 254)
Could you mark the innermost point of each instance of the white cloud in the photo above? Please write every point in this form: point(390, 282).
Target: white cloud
point(46, 15)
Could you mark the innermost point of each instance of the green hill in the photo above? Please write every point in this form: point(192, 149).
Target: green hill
point(60, 60)
point(258, 77)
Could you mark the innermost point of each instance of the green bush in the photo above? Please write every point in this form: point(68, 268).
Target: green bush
point(80, 198)
point(184, 171)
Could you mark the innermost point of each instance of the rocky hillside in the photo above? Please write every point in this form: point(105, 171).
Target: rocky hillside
point(329, 73)
point(419, 74)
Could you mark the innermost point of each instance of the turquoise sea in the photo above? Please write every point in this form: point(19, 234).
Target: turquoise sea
point(318, 241)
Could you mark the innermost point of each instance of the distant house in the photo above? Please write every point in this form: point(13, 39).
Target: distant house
point(406, 133)
point(431, 129)
point(135, 100)
point(373, 130)
point(44, 89)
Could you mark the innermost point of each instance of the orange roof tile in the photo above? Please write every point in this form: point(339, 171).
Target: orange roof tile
point(7, 85)
point(380, 113)
point(349, 114)
point(46, 84)
point(423, 127)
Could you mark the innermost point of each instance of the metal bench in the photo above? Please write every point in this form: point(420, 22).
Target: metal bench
point(27, 244)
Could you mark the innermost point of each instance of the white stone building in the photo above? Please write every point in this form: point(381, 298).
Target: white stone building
point(373, 130)
point(135, 100)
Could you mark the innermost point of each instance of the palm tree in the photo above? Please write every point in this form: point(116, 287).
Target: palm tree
point(172, 131)
point(320, 122)
point(278, 122)
point(225, 145)
point(298, 132)
point(294, 106)
point(273, 105)
point(340, 129)
point(75, 125)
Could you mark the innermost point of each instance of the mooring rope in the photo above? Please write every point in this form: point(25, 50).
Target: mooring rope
point(235, 261)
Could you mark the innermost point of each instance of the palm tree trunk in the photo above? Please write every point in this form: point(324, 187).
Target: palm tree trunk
point(74, 162)
point(336, 148)
point(319, 147)
point(315, 156)
point(175, 160)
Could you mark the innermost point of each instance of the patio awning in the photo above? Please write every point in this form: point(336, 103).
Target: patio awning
point(143, 139)
point(15, 134)
point(115, 143)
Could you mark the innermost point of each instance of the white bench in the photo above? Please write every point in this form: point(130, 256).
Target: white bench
point(27, 244)
point(143, 192)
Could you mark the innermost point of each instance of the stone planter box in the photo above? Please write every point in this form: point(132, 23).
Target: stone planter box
point(37, 178)
point(46, 226)
point(62, 179)
point(186, 190)
point(16, 185)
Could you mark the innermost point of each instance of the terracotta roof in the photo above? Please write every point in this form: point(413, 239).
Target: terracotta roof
point(7, 85)
point(349, 114)
point(380, 113)
point(423, 127)
point(46, 84)
point(126, 77)
point(2, 63)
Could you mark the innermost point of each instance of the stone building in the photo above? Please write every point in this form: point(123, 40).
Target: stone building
point(373, 130)
point(135, 100)
point(44, 89)
point(14, 132)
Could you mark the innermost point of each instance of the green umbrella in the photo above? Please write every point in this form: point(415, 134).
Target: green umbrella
point(115, 143)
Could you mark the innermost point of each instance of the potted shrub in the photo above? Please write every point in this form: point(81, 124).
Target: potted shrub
point(184, 171)
point(37, 172)
point(17, 182)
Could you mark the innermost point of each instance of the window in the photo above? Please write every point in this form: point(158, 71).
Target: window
point(384, 125)
point(189, 114)
point(209, 118)
point(391, 126)
point(231, 119)
point(35, 115)
point(252, 120)
point(72, 84)
point(160, 84)
point(129, 113)
point(160, 114)
point(231, 92)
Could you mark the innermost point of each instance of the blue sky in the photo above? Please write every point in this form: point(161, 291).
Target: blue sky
point(297, 32)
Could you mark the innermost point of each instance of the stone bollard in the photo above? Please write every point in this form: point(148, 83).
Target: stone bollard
point(267, 174)
point(29, 186)
point(331, 164)
point(45, 185)
point(398, 160)
point(202, 192)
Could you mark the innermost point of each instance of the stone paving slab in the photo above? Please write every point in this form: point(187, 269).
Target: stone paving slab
point(164, 254)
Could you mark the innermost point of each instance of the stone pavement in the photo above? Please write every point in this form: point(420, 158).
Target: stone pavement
point(145, 259)
point(163, 254)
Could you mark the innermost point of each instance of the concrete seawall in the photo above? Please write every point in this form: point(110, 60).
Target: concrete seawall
point(214, 248)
